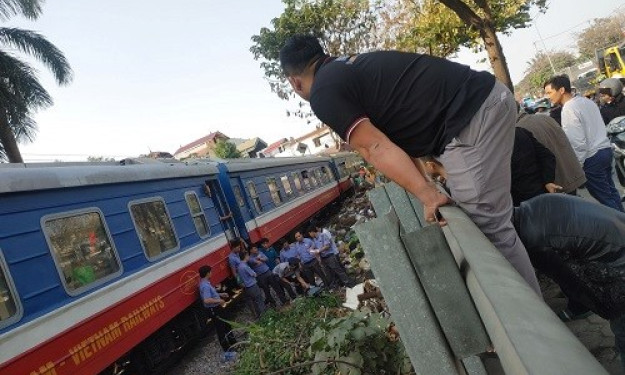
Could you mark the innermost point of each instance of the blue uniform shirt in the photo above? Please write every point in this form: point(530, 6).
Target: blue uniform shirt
point(333, 249)
point(247, 275)
point(320, 242)
point(290, 252)
point(271, 255)
point(234, 260)
point(208, 291)
point(258, 268)
point(303, 249)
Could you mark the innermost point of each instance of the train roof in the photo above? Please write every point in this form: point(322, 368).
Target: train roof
point(18, 177)
point(236, 165)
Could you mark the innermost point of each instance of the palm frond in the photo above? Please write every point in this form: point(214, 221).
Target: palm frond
point(38, 46)
point(20, 90)
point(27, 8)
point(24, 128)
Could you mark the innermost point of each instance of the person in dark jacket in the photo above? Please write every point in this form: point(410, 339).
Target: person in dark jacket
point(569, 172)
point(611, 93)
point(533, 168)
point(581, 246)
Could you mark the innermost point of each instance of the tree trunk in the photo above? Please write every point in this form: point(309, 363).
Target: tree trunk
point(8, 141)
point(495, 55)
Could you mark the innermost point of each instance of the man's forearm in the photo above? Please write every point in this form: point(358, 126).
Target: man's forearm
point(395, 164)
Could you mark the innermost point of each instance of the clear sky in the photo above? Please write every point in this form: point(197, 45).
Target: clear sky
point(155, 75)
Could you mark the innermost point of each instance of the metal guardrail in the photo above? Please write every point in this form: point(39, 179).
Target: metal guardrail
point(451, 293)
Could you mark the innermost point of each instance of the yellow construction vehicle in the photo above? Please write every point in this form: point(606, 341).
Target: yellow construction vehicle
point(612, 61)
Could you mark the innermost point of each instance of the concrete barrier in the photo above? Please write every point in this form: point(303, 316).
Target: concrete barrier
point(451, 292)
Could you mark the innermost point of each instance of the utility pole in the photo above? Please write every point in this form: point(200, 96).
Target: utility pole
point(544, 49)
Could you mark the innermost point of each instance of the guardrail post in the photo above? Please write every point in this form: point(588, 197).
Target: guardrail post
point(417, 325)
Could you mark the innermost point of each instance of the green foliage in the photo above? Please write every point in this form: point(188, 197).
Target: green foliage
point(280, 339)
point(20, 91)
point(360, 339)
point(539, 70)
point(316, 336)
point(427, 27)
point(343, 27)
point(227, 150)
point(603, 32)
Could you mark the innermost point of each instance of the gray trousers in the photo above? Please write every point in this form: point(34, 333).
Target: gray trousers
point(477, 162)
point(335, 271)
point(255, 296)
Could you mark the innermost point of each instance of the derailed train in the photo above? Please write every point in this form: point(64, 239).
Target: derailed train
point(98, 262)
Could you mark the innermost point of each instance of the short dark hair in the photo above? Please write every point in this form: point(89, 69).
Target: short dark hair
point(235, 242)
point(263, 240)
point(281, 242)
point(557, 82)
point(298, 52)
point(242, 255)
point(293, 262)
point(204, 270)
point(311, 228)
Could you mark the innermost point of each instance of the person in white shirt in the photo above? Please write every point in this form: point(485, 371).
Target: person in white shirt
point(583, 125)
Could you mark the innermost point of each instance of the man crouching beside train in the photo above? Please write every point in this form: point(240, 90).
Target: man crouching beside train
point(213, 303)
point(580, 245)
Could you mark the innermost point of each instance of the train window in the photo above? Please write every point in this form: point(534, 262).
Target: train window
point(297, 182)
point(313, 179)
point(342, 169)
point(82, 249)
point(154, 227)
point(197, 213)
point(274, 190)
point(319, 177)
point(287, 186)
point(325, 175)
point(306, 180)
point(239, 196)
point(251, 188)
point(10, 308)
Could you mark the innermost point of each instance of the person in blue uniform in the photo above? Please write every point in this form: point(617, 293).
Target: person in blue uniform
point(269, 252)
point(310, 265)
point(233, 258)
point(328, 255)
point(287, 251)
point(266, 279)
point(213, 302)
point(252, 291)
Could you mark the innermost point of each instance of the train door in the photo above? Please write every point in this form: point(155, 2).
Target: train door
point(213, 189)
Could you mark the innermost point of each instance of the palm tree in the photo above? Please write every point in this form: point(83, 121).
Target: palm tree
point(21, 94)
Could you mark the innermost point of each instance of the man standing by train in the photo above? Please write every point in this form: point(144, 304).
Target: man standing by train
point(393, 107)
point(213, 303)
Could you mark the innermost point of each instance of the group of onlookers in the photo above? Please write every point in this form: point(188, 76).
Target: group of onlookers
point(549, 157)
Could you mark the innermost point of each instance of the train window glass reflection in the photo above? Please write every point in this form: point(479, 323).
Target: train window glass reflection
point(313, 179)
point(306, 180)
point(197, 213)
point(239, 196)
point(251, 189)
point(10, 309)
point(297, 182)
point(82, 249)
point(342, 169)
point(274, 190)
point(154, 227)
point(287, 186)
point(319, 177)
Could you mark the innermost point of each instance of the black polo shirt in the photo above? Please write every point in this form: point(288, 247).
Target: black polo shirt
point(420, 102)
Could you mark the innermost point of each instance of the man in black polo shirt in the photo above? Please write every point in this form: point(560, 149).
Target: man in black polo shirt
point(393, 107)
